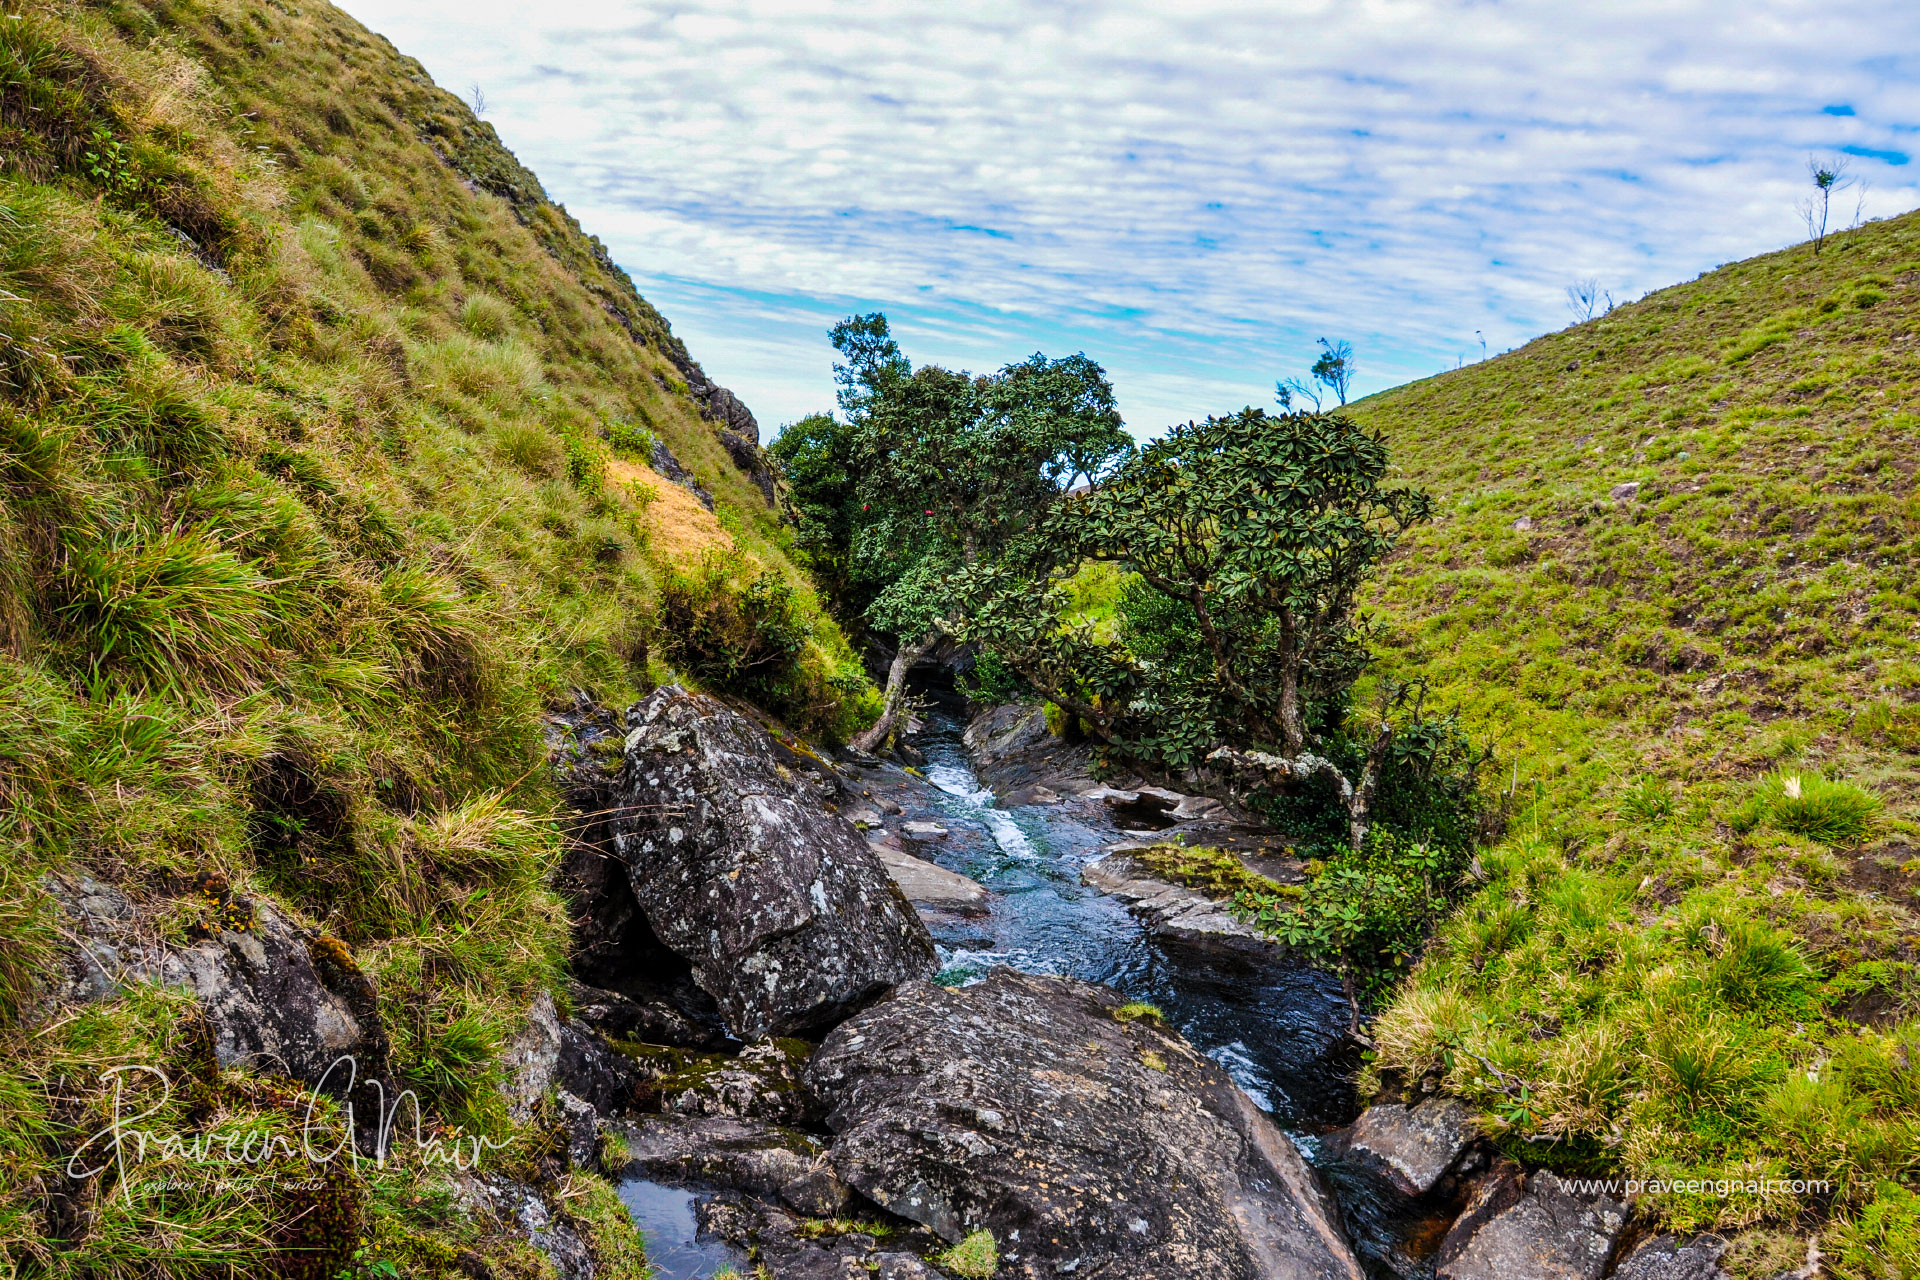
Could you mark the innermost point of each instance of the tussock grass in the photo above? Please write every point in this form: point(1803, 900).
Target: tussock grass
point(305, 396)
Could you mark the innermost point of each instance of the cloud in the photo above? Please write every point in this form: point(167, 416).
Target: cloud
point(1193, 196)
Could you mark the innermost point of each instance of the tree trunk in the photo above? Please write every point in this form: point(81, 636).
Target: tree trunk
point(903, 659)
point(1360, 804)
point(1293, 725)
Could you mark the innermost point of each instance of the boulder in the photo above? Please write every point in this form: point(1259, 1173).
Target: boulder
point(784, 915)
point(1087, 1143)
point(928, 884)
point(1173, 912)
point(1413, 1147)
point(277, 998)
point(794, 1249)
point(1549, 1233)
point(749, 1156)
point(1669, 1258)
point(761, 1082)
point(1013, 751)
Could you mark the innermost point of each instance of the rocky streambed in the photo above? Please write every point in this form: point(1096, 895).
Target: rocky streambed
point(995, 1021)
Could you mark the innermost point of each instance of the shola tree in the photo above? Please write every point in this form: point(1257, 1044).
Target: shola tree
point(1254, 533)
point(952, 475)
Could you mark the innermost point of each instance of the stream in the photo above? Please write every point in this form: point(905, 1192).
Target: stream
point(1277, 1028)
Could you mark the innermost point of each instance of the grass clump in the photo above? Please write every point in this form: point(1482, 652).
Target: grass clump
point(1140, 1011)
point(975, 1258)
point(1882, 1242)
point(1830, 812)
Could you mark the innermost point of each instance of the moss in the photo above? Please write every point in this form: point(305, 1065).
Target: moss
point(1214, 871)
point(975, 1258)
point(1138, 1011)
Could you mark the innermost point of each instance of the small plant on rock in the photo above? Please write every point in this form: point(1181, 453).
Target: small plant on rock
point(975, 1258)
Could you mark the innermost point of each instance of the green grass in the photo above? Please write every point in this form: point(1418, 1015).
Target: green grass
point(975, 1258)
point(1697, 946)
point(307, 396)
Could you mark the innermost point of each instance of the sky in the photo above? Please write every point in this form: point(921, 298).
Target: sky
point(1192, 194)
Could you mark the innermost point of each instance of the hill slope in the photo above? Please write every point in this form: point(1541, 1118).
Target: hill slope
point(1672, 573)
point(327, 458)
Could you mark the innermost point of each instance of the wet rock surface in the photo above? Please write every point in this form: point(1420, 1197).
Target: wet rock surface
point(784, 915)
point(1087, 1143)
point(927, 883)
point(750, 1156)
point(1547, 1233)
point(792, 1252)
point(1175, 912)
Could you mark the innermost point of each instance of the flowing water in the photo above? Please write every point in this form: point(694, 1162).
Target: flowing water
point(1277, 1028)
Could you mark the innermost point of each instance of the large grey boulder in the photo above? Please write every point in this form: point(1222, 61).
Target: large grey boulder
point(1087, 1143)
point(786, 916)
point(1549, 1233)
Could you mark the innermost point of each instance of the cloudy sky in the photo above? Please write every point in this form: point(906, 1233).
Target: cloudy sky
point(1192, 198)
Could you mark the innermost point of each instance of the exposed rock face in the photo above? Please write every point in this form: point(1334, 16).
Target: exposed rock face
point(276, 998)
point(1413, 1147)
point(1086, 1144)
point(784, 914)
point(1548, 1234)
point(1668, 1258)
point(761, 1082)
point(669, 466)
point(1013, 751)
point(778, 1239)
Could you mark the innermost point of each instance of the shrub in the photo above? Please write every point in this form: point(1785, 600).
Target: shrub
point(632, 439)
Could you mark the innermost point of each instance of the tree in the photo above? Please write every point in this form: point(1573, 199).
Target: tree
point(936, 476)
point(1584, 299)
point(1829, 177)
point(1334, 369)
point(1251, 535)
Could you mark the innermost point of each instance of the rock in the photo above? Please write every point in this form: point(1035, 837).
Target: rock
point(750, 1156)
point(277, 998)
point(761, 1082)
point(1548, 1234)
point(551, 1053)
point(1035, 794)
point(1523, 525)
point(1626, 492)
point(784, 915)
point(1174, 912)
point(1192, 808)
point(925, 883)
point(1413, 1146)
point(623, 1017)
point(923, 830)
point(1022, 1105)
point(1012, 750)
point(1667, 1258)
point(669, 467)
point(795, 1250)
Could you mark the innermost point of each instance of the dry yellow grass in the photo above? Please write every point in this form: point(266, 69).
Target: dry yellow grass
point(678, 527)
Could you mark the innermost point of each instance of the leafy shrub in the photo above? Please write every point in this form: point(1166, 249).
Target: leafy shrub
point(742, 629)
point(632, 439)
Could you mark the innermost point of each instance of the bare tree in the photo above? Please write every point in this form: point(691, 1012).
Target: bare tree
point(1334, 369)
point(1829, 177)
point(1585, 299)
point(1284, 392)
point(477, 99)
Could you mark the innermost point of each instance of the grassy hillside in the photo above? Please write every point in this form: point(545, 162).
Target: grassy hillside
point(1672, 572)
point(324, 445)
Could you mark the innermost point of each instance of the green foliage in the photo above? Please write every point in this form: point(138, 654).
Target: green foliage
point(1806, 804)
point(741, 629)
point(1883, 1242)
point(975, 1258)
point(1137, 1010)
